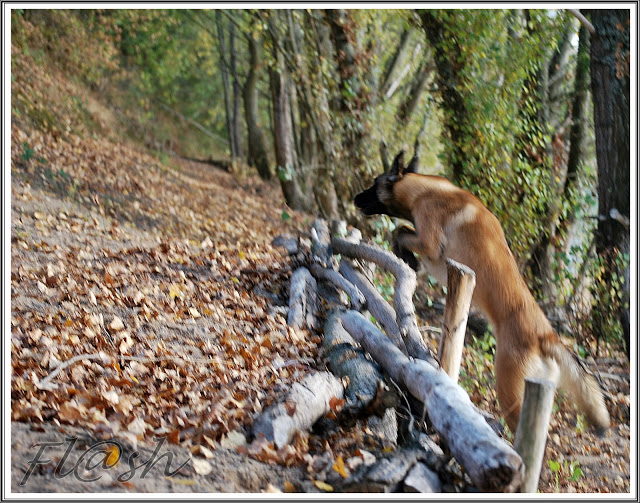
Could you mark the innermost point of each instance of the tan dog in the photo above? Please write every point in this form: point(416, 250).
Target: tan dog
point(452, 223)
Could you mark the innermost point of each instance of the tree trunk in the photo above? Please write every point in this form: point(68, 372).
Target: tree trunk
point(410, 103)
point(455, 116)
point(283, 133)
point(225, 84)
point(545, 87)
point(343, 37)
point(611, 92)
point(257, 151)
point(578, 111)
point(394, 61)
point(237, 91)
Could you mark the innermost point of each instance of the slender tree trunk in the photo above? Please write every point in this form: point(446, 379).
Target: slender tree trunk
point(578, 125)
point(343, 40)
point(410, 103)
point(394, 61)
point(237, 91)
point(283, 140)
point(542, 256)
point(610, 83)
point(257, 152)
point(225, 85)
point(550, 158)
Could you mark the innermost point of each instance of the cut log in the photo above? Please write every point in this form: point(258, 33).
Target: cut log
point(490, 462)
point(338, 228)
point(307, 402)
point(386, 474)
point(421, 479)
point(347, 359)
point(321, 244)
point(531, 434)
point(288, 242)
point(302, 299)
point(460, 284)
point(405, 276)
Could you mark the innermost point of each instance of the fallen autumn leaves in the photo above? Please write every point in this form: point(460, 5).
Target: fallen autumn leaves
point(166, 327)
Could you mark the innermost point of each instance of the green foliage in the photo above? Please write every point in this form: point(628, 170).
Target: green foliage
point(571, 470)
point(476, 375)
point(493, 137)
point(28, 152)
point(608, 297)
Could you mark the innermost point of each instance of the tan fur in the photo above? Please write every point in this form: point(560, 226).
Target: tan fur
point(452, 223)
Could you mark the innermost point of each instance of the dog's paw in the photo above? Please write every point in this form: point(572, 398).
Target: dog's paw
point(405, 255)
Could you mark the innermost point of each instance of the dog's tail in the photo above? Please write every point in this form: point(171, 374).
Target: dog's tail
point(580, 384)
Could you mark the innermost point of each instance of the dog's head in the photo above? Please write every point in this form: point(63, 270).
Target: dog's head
point(379, 199)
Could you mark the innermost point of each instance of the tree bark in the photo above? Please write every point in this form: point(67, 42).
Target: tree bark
point(394, 61)
point(306, 402)
point(579, 123)
point(257, 151)
point(460, 284)
point(283, 136)
point(403, 297)
point(302, 299)
point(410, 103)
point(533, 425)
point(224, 75)
point(610, 83)
point(237, 91)
point(455, 116)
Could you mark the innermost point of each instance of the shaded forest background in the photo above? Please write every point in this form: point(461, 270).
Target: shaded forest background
point(499, 101)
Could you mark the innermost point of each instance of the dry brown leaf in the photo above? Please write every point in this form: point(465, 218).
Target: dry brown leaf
point(201, 451)
point(271, 489)
point(340, 468)
point(323, 486)
point(201, 466)
point(116, 324)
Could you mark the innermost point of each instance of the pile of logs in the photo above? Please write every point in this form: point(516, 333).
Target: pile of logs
point(375, 367)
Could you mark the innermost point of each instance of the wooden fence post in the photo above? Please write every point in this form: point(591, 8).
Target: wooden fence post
point(461, 281)
point(531, 435)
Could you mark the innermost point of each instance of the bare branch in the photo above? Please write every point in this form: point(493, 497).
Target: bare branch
point(403, 296)
point(357, 299)
point(585, 22)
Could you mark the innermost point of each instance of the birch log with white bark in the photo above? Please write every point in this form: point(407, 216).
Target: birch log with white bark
point(490, 462)
point(307, 402)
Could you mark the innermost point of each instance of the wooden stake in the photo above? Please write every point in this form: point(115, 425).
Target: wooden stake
point(461, 281)
point(531, 435)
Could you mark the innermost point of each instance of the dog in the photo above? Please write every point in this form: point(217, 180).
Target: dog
point(449, 222)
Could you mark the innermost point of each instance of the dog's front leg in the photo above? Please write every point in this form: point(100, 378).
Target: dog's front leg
point(405, 240)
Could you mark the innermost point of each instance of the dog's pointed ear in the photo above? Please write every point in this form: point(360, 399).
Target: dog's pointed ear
point(412, 167)
point(397, 168)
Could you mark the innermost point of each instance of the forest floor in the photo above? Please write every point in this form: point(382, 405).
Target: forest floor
point(166, 277)
point(147, 301)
